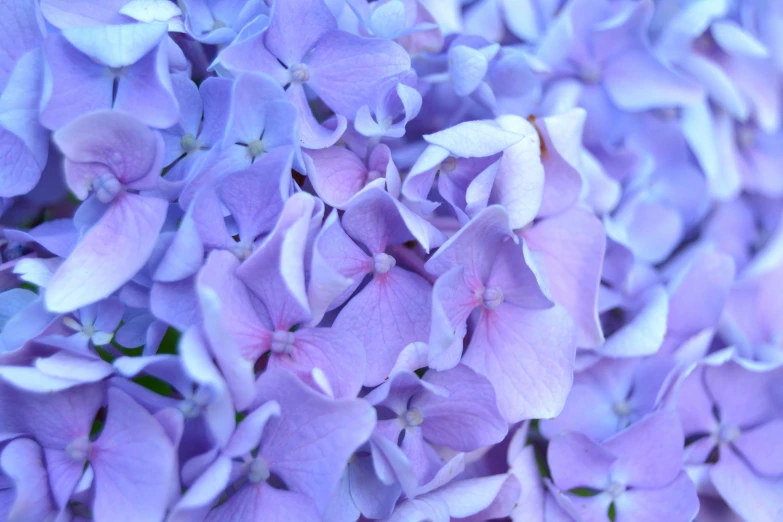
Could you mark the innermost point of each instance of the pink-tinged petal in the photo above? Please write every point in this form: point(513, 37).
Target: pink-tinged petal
point(576, 461)
point(74, 84)
point(452, 303)
point(475, 139)
point(528, 356)
point(572, 248)
point(377, 220)
point(134, 461)
point(468, 418)
point(338, 174)
point(346, 70)
point(519, 184)
point(516, 278)
point(623, 75)
point(295, 28)
point(262, 501)
point(337, 268)
point(392, 311)
point(22, 462)
point(312, 134)
point(338, 354)
point(240, 319)
point(490, 229)
point(649, 453)
point(561, 135)
point(116, 142)
point(750, 496)
point(311, 442)
point(109, 254)
point(146, 91)
point(761, 447)
point(237, 370)
point(275, 271)
point(676, 502)
point(264, 179)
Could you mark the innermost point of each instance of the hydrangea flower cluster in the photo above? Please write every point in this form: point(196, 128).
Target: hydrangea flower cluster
point(402, 260)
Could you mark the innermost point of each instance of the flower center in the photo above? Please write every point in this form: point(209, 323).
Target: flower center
point(242, 250)
point(621, 408)
point(373, 175)
point(195, 404)
point(449, 164)
point(382, 263)
point(189, 143)
point(219, 24)
point(491, 298)
point(78, 449)
point(283, 341)
point(413, 418)
point(106, 187)
point(590, 73)
point(256, 148)
point(615, 489)
point(746, 137)
point(728, 433)
point(258, 471)
point(300, 73)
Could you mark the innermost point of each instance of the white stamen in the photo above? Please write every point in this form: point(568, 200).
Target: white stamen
point(283, 341)
point(299, 72)
point(106, 187)
point(615, 489)
point(382, 263)
point(78, 449)
point(491, 298)
point(258, 471)
point(256, 148)
point(621, 409)
point(413, 417)
point(189, 143)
